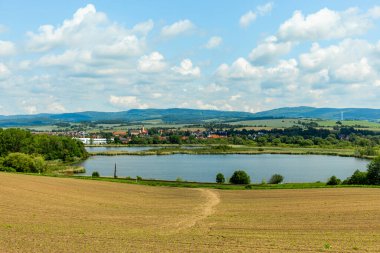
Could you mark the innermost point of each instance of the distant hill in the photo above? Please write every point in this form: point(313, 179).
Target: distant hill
point(187, 116)
point(322, 113)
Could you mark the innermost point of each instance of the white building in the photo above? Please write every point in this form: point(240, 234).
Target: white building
point(91, 141)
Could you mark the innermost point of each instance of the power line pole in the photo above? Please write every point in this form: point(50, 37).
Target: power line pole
point(114, 172)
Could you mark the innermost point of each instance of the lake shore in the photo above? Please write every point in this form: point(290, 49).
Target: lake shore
point(237, 149)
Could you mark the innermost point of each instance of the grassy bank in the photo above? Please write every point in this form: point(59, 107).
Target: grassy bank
point(185, 184)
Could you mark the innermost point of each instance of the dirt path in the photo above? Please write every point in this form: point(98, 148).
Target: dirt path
point(206, 209)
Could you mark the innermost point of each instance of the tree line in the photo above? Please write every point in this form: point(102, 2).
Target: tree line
point(24, 152)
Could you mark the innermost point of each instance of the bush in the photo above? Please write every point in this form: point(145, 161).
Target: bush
point(276, 179)
point(373, 172)
point(95, 174)
point(24, 163)
point(220, 178)
point(179, 179)
point(359, 177)
point(333, 181)
point(240, 177)
point(139, 178)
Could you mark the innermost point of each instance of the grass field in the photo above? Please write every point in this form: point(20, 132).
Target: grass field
point(45, 214)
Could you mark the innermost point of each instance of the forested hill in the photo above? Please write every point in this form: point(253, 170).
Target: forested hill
point(179, 115)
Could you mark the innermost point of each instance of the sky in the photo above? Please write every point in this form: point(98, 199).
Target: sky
point(74, 55)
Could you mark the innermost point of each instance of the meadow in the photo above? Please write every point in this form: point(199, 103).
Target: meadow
point(47, 214)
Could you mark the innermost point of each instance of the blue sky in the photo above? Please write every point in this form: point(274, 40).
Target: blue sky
point(65, 56)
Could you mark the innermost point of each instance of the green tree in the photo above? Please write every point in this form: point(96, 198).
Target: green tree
point(240, 177)
point(373, 172)
point(220, 178)
point(333, 181)
point(359, 177)
point(276, 179)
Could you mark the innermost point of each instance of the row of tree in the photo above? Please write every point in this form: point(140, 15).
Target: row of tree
point(241, 177)
point(21, 151)
point(369, 177)
point(49, 147)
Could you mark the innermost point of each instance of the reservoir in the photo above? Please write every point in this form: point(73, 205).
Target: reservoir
point(203, 168)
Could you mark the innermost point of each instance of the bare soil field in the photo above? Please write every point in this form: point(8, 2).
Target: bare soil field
point(46, 214)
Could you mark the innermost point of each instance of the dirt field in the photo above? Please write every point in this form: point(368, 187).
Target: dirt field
point(42, 214)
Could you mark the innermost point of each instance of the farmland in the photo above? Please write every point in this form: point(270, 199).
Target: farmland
point(45, 214)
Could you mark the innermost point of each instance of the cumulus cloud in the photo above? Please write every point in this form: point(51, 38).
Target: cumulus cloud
point(250, 16)
point(4, 71)
point(374, 12)
point(323, 25)
point(269, 50)
point(247, 19)
point(355, 72)
point(187, 69)
point(177, 28)
point(127, 102)
point(154, 62)
point(89, 30)
point(214, 42)
point(144, 27)
point(7, 48)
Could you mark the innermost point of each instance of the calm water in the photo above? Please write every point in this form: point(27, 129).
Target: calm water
point(203, 168)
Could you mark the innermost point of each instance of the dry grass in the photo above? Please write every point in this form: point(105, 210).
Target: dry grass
point(43, 214)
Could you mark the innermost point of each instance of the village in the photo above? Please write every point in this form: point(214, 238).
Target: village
point(130, 136)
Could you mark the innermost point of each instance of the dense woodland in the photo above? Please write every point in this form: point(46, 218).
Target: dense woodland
point(24, 152)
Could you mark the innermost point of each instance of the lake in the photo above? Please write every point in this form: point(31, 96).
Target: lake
point(203, 168)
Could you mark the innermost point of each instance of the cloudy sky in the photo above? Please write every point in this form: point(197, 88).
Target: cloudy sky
point(72, 55)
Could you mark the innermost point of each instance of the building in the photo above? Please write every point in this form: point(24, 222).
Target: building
point(93, 141)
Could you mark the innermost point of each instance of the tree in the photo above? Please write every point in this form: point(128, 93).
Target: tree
point(333, 181)
point(276, 179)
point(359, 177)
point(373, 172)
point(95, 174)
point(220, 178)
point(240, 177)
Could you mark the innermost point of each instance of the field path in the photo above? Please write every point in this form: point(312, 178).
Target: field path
point(206, 209)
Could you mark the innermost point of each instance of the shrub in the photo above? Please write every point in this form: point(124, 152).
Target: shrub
point(359, 177)
point(220, 178)
point(179, 179)
point(95, 174)
point(333, 181)
point(276, 179)
point(139, 178)
point(24, 163)
point(373, 172)
point(240, 177)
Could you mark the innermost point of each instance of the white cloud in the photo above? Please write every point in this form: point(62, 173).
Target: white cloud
point(355, 72)
point(187, 69)
point(213, 42)
point(235, 97)
point(269, 50)
point(155, 62)
point(7, 48)
point(323, 25)
point(4, 71)
point(90, 30)
point(265, 9)
point(247, 19)
point(177, 28)
point(374, 12)
point(240, 69)
point(128, 45)
point(127, 102)
point(144, 27)
point(56, 108)
point(205, 106)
